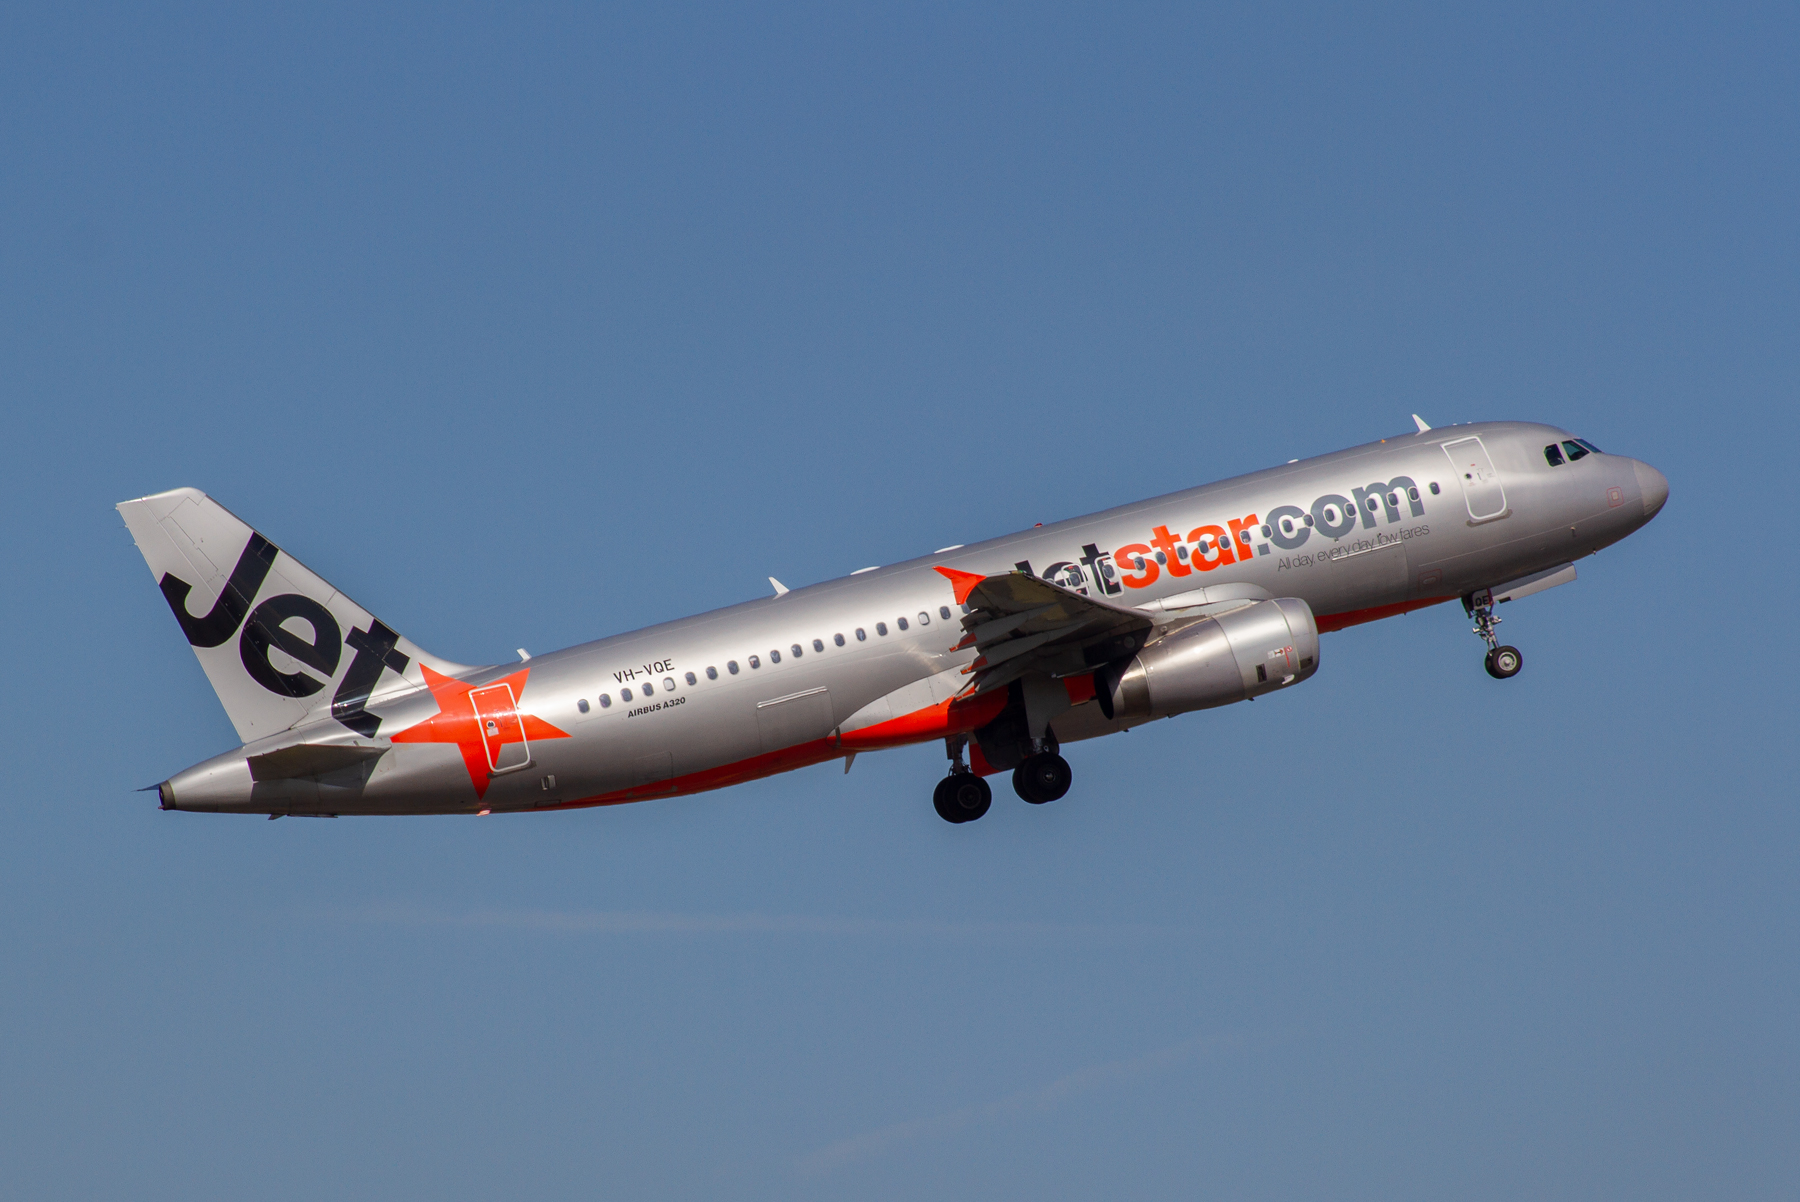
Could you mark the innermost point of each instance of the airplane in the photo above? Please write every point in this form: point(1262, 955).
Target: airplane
point(1005, 650)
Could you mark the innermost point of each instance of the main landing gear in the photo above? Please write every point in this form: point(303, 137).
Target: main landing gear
point(1502, 662)
point(963, 796)
point(1043, 777)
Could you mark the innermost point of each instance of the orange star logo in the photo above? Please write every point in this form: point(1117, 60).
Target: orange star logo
point(484, 721)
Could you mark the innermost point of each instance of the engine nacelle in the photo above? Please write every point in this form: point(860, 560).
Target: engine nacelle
point(1214, 661)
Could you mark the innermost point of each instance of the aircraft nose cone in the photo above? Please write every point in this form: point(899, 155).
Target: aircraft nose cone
point(1653, 484)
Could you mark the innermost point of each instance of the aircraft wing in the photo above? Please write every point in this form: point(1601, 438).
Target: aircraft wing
point(1019, 623)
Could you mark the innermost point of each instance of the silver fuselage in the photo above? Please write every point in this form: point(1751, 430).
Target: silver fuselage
point(1433, 520)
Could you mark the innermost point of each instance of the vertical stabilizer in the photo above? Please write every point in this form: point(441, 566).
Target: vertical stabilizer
point(281, 647)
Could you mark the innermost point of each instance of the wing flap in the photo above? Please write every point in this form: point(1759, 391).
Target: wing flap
point(1019, 624)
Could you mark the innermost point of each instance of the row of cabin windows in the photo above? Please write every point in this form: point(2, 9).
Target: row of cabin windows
point(648, 688)
point(1576, 448)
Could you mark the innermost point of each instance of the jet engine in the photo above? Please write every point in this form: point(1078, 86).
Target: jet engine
point(1213, 661)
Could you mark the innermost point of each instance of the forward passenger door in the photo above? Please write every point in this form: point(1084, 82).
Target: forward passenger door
point(1482, 490)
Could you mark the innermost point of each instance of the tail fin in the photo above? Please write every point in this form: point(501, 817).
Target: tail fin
point(281, 647)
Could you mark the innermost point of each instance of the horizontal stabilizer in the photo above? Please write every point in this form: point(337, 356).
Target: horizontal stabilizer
point(309, 759)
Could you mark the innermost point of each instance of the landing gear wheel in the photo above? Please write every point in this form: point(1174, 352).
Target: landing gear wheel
point(1504, 662)
point(962, 797)
point(1042, 778)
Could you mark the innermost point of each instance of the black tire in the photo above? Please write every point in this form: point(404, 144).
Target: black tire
point(1042, 778)
point(962, 797)
point(1503, 663)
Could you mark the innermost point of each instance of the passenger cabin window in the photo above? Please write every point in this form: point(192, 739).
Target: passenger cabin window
point(731, 666)
point(606, 701)
point(902, 622)
point(881, 628)
point(1553, 455)
point(1575, 450)
point(754, 662)
point(860, 636)
point(712, 673)
point(838, 639)
point(648, 688)
point(624, 694)
point(690, 678)
point(1434, 492)
point(924, 618)
point(944, 612)
point(819, 644)
point(582, 705)
point(774, 658)
point(796, 650)
point(668, 684)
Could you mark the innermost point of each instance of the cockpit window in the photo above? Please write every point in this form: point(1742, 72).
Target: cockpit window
point(1590, 446)
point(1553, 454)
point(1575, 450)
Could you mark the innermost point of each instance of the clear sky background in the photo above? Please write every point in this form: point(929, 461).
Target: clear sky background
point(526, 326)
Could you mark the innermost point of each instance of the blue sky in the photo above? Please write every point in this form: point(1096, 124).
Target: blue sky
point(526, 326)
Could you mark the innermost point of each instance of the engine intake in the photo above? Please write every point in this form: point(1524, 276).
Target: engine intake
point(1214, 661)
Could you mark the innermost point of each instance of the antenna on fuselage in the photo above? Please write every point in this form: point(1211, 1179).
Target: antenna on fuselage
point(1420, 422)
point(781, 590)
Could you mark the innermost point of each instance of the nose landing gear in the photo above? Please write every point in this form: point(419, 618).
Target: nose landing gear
point(1501, 662)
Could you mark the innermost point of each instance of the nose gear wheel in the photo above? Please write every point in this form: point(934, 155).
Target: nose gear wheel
point(1502, 662)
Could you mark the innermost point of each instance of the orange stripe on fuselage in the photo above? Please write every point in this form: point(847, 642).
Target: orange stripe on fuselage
point(1357, 617)
point(959, 715)
point(757, 766)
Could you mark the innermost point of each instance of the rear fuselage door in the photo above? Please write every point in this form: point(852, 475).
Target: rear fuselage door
point(501, 731)
point(1480, 482)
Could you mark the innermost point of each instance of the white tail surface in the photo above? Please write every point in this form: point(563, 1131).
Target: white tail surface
point(281, 646)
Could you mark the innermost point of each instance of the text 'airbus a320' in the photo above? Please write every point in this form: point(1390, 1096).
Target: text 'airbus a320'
point(1005, 650)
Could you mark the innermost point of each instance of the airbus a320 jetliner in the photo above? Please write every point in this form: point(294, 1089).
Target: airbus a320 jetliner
point(1005, 650)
